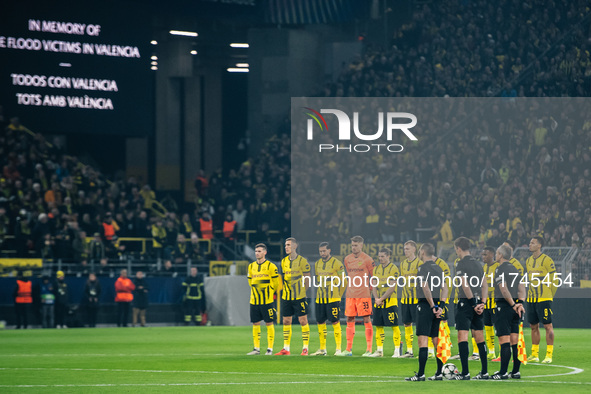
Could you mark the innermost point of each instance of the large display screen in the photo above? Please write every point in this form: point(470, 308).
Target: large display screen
point(77, 68)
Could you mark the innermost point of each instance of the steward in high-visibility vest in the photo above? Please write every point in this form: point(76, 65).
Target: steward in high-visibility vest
point(206, 226)
point(23, 298)
point(124, 288)
point(229, 228)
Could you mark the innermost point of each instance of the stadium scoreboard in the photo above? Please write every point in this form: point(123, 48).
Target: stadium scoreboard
point(76, 69)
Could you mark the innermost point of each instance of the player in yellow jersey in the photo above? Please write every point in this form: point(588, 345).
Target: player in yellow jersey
point(540, 275)
point(329, 273)
point(385, 294)
point(293, 296)
point(263, 279)
point(490, 265)
point(408, 309)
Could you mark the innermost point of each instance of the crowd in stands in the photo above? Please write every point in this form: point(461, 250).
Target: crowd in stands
point(509, 181)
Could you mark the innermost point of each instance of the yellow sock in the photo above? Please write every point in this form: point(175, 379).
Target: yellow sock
point(322, 333)
point(396, 336)
point(286, 336)
point(490, 338)
point(535, 350)
point(408, 336)
point(430, 345)
point(337, 335)
point(380, 338)
point(270, 335)
point(474, 346)
point(256, 336)
point(306, 335)
point(549, 350)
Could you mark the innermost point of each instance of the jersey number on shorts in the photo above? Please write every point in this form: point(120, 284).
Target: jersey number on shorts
point(335, 312)
point(392, 316)
point(271, 313)
point(365, 305)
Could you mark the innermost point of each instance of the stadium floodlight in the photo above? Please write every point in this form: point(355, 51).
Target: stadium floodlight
point(154, 68)
point(154, 42)
point(154, 57)
point(239, 45)
point(65, 64)
point(193, 52)
point(242, 65)
point(183, 33)
point(154, 63)
point(238, 70)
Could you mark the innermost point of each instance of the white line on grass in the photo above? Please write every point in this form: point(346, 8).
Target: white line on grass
point(573, 371)
point(230, 384)
point(118, 355)
point(197, 372)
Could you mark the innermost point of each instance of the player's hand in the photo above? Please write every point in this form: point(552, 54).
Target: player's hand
point(379, 302)
point(519, 310)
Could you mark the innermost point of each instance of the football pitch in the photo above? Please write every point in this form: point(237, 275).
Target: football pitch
point(189, 359)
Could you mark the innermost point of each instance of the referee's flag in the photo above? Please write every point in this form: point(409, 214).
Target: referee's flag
point(443, 342)
point(521, 354)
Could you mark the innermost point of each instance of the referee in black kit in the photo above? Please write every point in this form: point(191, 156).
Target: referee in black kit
point(431, 290)
point(469, 308)
point(509, 297)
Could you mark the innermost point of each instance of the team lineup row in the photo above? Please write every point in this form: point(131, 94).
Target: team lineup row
point(480, 305)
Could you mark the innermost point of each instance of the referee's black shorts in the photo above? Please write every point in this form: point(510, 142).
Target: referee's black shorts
point(427, 322)
point(408, 313)
point(466, 318)
point(489, 316)
point(506, 320)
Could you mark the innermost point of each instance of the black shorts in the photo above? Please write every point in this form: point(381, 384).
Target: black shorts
point(427, 323)
point(408, 313)
point(506, 320)
point(385, 317)
point(330, 312)
point(489, 317)
point(294, 307)
point(266, 312)
point(539, 312)
point(466, 318)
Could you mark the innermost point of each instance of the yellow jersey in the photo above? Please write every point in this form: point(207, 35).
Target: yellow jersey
point(540, 270)
point(517, 265)
point(263, 280)
point(409, 269)
point(325, 271)
point(390, 272)
point(292, 272)
point(489, 275)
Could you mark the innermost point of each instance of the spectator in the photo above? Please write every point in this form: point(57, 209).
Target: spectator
point(239, 215)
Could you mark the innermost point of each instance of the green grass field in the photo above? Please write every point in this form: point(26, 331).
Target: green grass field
point(187, 359)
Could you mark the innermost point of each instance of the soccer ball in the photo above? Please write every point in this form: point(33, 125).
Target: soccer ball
point(449, 371)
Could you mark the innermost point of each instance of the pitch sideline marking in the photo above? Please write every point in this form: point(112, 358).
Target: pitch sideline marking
point(224, 384)
point(574, 371)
